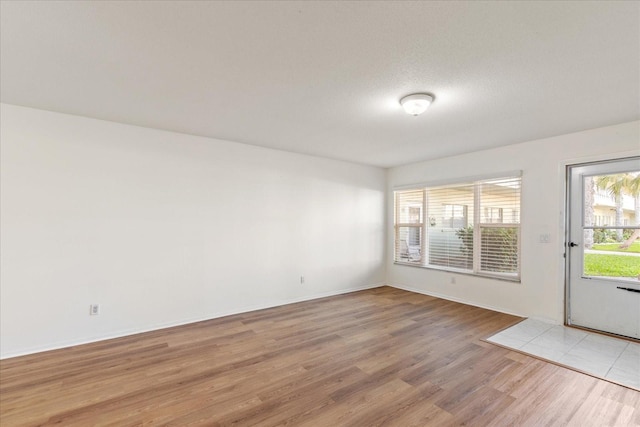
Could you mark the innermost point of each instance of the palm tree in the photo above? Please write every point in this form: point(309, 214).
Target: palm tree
point(633, 188)
point(617, 186)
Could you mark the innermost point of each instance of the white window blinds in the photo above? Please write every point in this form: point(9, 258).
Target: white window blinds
point(469, 227)
point(409, 225)
point(499, 226)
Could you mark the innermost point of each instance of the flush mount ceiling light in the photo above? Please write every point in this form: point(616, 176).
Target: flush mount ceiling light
point(416, 103)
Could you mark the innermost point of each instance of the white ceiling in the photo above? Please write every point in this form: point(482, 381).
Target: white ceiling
point(324, 78)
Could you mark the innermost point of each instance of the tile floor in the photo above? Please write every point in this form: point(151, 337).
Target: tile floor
point(603, 356)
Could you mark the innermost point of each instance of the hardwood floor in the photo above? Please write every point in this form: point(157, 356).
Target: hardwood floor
point(377, 357)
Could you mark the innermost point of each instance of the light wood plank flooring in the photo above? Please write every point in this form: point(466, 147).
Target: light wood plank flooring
point(377, 357)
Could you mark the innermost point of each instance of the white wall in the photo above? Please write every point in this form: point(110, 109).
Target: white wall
point(162, 228)
point(543, 162)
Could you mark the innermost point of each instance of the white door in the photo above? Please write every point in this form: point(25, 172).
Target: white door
point(603, 266)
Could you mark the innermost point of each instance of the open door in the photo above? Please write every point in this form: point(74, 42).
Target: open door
point(603, 246)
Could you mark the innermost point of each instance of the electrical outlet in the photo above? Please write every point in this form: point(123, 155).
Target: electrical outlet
point(453, 280)
point(94, 309)
point(302, 280)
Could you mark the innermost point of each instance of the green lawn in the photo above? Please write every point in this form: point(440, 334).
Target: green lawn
point(611, 265)
point(635, 247)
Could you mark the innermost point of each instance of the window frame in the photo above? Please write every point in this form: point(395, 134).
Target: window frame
point(508, 213)
point(420, 225)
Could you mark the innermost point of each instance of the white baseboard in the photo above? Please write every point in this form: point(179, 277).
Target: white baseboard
point(460, 300)
point(124, 333)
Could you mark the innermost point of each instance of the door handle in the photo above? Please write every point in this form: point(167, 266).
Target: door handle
point(573, 245)
point(629, 289)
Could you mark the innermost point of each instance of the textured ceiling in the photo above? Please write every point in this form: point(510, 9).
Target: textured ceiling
point(324, 78)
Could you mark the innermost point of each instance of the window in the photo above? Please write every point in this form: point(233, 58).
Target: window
point(469, 227)
point(409, 225)
point(493, 214)
point(455, 216)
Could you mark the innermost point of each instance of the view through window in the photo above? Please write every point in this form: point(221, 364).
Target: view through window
point(471, 227)
point(611, 220)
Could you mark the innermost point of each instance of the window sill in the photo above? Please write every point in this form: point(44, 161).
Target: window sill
point(463, 272)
